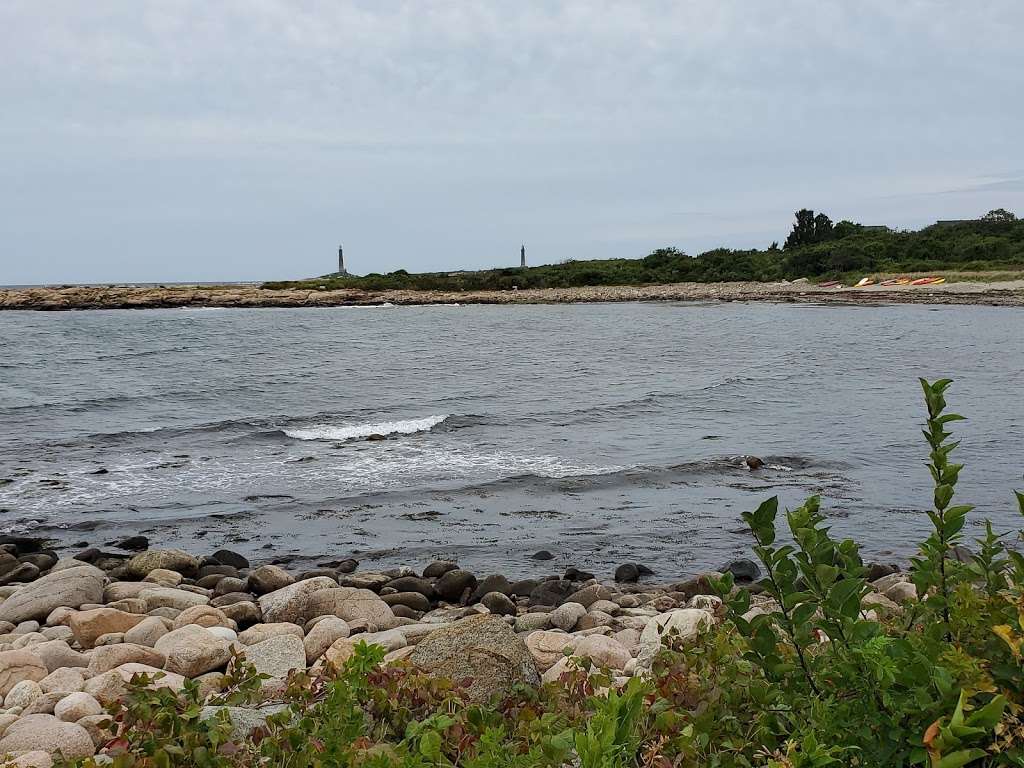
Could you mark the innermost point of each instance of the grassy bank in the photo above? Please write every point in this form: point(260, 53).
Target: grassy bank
point(991, 244)
point(827, 671)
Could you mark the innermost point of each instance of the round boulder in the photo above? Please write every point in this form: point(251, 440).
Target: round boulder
point(142, 564)
point(483, 648)
point(47, 734)
point(453, 584)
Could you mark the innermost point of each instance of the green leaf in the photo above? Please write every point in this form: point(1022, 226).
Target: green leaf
point(958, 759)
point(430, 745)
point(803, 613)
point(943, 495)
point(989, 715)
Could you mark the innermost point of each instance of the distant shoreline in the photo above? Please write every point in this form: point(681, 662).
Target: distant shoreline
point(1008, 293)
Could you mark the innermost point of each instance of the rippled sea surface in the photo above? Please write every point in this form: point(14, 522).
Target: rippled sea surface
point(603, 433)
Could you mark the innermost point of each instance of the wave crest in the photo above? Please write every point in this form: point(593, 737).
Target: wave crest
point(356, 431)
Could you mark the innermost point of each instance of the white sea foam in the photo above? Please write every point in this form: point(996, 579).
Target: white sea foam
point(356, 431)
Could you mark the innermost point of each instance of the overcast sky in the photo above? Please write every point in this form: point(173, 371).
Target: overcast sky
point(240, 140)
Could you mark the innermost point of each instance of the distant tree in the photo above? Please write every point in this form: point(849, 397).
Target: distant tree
point(774, 246)
point(999, 216)
point(663, 257)
point(803, 229)
point(809, 229)
point(822, 228)
point(845, 228)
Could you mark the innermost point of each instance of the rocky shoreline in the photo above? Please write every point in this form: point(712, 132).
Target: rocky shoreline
point(1010, 293)
point(75, 630)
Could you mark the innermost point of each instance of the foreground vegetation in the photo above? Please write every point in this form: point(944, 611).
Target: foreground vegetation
point(815, 249)
point(825, 676)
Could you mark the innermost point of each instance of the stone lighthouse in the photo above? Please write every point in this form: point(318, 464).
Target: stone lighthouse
point(341, 261)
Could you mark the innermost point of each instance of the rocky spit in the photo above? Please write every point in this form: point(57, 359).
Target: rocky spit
point(1008, 293)
point(75, 630)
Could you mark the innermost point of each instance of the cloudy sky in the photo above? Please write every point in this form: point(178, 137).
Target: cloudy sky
point(161, 140)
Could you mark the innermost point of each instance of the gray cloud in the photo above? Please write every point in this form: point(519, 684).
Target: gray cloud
point(244, 139)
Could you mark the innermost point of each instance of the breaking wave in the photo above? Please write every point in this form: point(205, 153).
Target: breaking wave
point(356, 431)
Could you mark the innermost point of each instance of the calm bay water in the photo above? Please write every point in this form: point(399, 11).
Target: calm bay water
point(603, 433)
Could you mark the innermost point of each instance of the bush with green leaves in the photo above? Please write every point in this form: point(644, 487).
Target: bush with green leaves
point(815, 670)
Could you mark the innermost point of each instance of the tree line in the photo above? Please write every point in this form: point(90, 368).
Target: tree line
point(815, 248)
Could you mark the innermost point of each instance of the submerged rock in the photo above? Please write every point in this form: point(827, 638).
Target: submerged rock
point(743, 569)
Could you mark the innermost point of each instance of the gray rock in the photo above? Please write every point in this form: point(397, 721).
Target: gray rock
point(229, 584)
point(277, 656)
point(482, 648)
point(261, 632)
point(493, 583)
point(552, 592)
point(498, 603)
point(414, 600)
point(19, 665)
point(192, 651)
point(371, 581)
point(71, 587)
point(351, 605)
point(22, 573)
point(108, 657)
point(47, 734)
point(57, 654)
point(230, 598)
point(630, 573)
point(901, 592)
point(75, 706)
point(323, 635)
point(531, 622)
point(523, 587)
point(291, 603)
point(439, 568)
point(244, 720)
point(217, 570)
point(412, 584)
point(227, 557)
point(453, 584)
point(743, 569)
point(146, 632)
point(566, 615)
point(143, 564)
point(244, 614)
point(169, 597)
point(269, 578)
point(590, 595)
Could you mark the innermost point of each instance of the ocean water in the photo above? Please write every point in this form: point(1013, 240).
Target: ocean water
point(604, 433)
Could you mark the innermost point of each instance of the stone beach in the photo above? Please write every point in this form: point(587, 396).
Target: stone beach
point(75, 630)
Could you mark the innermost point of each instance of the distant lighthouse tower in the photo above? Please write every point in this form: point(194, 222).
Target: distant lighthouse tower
point(522, 255)
point(341, 261)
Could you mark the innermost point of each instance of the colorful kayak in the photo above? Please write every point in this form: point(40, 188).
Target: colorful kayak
point(928, 281)
point(896, 281)
point(865, 281)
